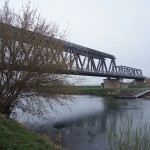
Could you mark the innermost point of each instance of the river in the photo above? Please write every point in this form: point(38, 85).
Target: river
point(83, 123)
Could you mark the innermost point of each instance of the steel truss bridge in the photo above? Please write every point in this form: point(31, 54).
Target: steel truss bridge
point(86, 61)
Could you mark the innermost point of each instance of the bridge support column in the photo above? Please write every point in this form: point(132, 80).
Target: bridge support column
point(113, 84)
point(139, 82)
point(147, 81)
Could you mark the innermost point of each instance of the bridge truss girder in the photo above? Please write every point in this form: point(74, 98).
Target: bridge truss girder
point(81, 60)
point(86, 63)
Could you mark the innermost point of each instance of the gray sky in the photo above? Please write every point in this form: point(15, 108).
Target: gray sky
point(117, 27)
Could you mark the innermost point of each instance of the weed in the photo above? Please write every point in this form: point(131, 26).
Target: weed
point(128, 137)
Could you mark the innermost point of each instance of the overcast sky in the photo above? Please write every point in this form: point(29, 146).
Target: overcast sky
point(117, 27)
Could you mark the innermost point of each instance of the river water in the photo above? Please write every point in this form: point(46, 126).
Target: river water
point(83, 123)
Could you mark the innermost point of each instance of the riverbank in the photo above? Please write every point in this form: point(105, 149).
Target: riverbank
point(94, 90)
point(14, 136)
point(80, 90)
point(97, 90)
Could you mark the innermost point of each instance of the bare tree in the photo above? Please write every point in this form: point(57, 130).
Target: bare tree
point(29, 56)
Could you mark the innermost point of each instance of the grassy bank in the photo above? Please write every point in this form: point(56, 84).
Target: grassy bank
point(93, 90)
point(79, 90)
point(89, 90)
point(97, 90)
point(13, 136)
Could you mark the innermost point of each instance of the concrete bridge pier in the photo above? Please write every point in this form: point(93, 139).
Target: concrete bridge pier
point(139, 82)
point(113, 83)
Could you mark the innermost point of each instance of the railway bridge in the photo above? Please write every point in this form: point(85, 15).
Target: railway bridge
point(82, 60)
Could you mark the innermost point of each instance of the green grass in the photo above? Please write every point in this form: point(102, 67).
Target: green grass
point(88, 90)
point(134, 88)
point(71, 90)
point(94, 90)
point(13, 136)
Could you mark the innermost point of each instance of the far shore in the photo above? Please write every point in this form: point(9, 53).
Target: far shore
point(92, 90)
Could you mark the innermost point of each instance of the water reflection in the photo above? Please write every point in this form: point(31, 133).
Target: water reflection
point(85, 125)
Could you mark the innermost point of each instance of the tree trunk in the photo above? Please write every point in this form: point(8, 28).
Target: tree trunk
point(5, 110)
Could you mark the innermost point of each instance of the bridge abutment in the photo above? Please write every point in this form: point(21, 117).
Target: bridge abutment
point(141, 82)
point(113, 84)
